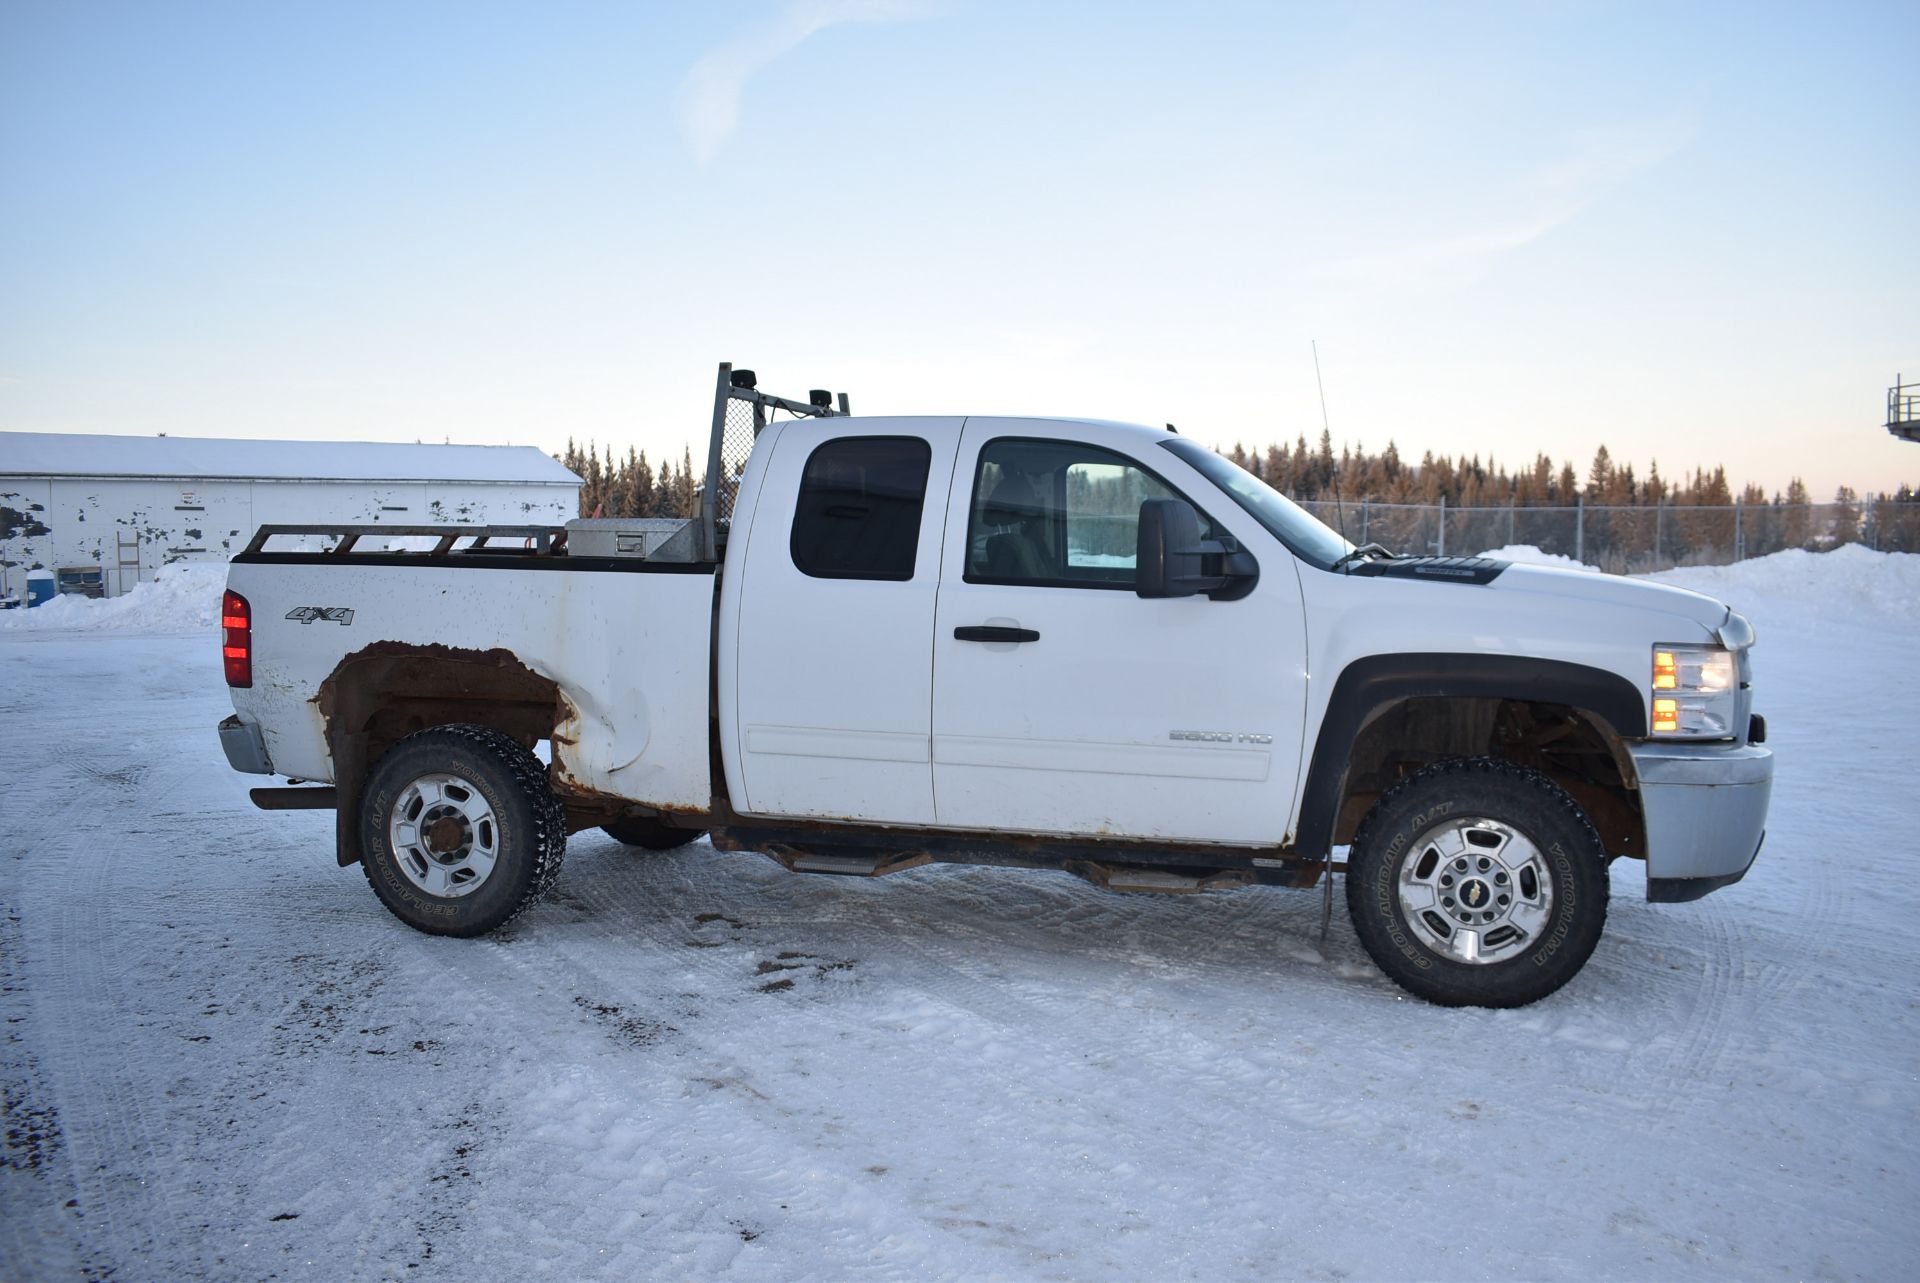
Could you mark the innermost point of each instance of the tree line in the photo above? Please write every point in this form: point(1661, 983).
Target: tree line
point(632, 486)
point(1304, 473)
point(1691, 514)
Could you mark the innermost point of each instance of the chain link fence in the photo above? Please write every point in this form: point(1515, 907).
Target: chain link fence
point(1629, 540)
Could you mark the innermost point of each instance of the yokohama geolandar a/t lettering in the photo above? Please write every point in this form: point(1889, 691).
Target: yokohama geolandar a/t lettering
point(1058, 643)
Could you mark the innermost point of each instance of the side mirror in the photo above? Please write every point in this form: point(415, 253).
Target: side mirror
point(1169, 556)
point(1166, 560)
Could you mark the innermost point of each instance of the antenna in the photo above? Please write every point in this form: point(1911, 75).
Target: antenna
point(1339, 509)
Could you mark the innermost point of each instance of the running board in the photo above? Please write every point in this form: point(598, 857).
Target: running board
point(861, 865)
point(1123, 877)
point(872, 853)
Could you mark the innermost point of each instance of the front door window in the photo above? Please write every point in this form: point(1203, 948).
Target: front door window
point(1057, 514)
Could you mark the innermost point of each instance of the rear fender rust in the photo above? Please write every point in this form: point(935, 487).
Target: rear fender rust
point(386, 690)
point(378, 676)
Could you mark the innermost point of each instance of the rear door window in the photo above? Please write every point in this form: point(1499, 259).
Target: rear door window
point(858, 515)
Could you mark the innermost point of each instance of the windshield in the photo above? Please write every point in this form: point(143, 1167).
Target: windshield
point(1286, 520)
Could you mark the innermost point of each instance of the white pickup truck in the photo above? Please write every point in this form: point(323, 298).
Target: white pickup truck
point(1046, 643)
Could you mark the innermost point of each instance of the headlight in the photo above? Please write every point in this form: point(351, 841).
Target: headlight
point(1694, 691)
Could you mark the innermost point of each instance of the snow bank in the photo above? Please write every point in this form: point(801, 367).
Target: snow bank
point(1525, 554)
point(180, 598)
point(1850, 581)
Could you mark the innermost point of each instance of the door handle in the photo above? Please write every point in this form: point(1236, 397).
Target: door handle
point(995, 633)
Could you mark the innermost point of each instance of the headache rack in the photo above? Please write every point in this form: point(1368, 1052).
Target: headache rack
point(740, 412)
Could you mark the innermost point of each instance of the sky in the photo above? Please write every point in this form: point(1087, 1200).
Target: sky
point(1684, 230)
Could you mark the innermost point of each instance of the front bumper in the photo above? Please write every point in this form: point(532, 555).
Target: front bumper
point(1706, 814)
point(246, 748)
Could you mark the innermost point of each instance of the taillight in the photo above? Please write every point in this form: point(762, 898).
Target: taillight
point(236, 623)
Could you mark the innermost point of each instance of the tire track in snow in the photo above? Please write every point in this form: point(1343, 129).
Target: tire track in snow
point(515, 989)
point(1169, 1106)
point(121, 1162)
point(1696, 1067)
point(1821, 906)
point(946, 972)
point(568, 967)
point(579, 964)
point(35, 1164)
point(55, 1021)
point(1044, 1004)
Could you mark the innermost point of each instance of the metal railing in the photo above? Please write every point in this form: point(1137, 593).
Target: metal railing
point(1903, 409)
point(342, 540)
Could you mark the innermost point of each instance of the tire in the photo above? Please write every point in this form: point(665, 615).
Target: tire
point(459, 833)
point(649, 834)
point(1478, 883)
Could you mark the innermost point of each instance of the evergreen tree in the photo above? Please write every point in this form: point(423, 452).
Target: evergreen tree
point(1799, 523)
point(1279, 473)
point(688, 504)
point(666, 495)
point(1599, 475)
point(642, 487)
point(1846, 515)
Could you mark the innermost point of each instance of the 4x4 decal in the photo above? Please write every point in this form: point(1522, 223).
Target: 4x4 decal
point(331, 614)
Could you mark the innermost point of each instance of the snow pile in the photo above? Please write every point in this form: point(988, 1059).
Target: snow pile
point(1851, 581)
point(179, 598)
point(1525, 554)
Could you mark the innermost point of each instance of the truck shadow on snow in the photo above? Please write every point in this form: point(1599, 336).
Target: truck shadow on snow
point(801, 930)
point(807, 935)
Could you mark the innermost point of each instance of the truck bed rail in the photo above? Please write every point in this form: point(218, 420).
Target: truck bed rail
point(538, 541)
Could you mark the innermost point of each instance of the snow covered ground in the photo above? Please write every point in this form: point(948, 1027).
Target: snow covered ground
point(222, 1059)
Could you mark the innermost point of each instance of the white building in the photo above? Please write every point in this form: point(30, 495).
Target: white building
point(106, 512)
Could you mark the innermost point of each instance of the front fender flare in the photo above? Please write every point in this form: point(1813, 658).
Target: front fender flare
point(1369, 685)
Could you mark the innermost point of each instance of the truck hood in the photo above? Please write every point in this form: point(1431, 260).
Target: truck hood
point(1612, 591)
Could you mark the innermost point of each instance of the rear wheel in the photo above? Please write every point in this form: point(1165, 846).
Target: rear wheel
point(649, 834)
point(1478, 883)
point(459, 831)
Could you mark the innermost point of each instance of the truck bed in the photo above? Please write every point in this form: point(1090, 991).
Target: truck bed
point(626, 643)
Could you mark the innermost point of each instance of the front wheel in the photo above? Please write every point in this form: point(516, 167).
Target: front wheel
point(1478, 883)
point(458, 830)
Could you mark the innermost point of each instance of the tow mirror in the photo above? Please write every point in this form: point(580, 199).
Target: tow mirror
point(1166, 561)
point(1170, 556)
